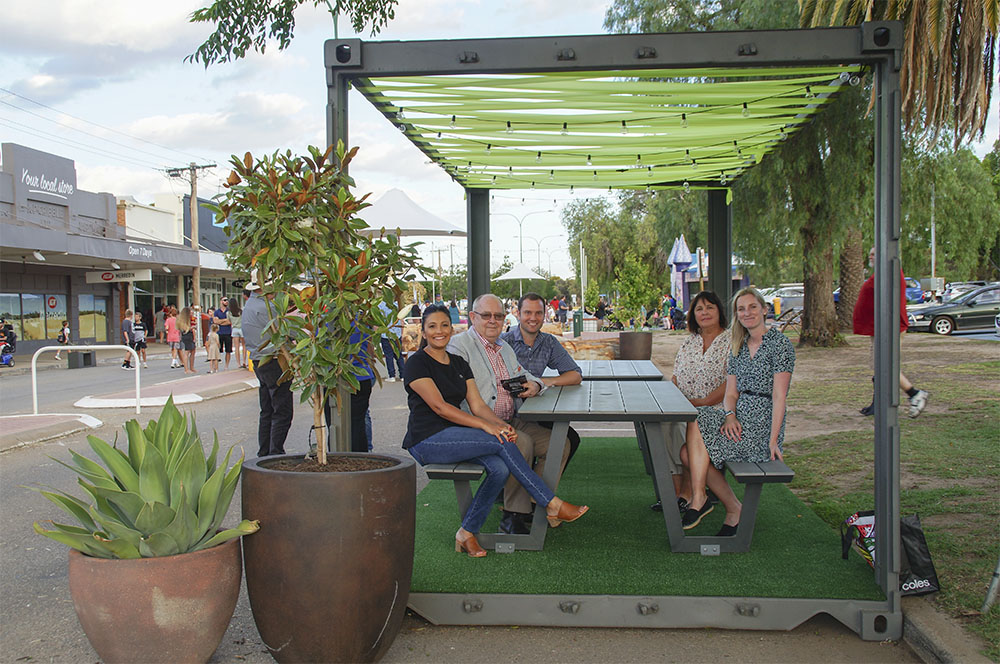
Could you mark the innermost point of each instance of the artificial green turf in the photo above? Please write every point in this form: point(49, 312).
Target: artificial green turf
point(621, 548)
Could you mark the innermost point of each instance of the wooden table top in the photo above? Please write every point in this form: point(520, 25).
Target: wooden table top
point(616, 370)
point(610, 401)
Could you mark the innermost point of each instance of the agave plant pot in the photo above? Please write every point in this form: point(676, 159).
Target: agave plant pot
point(635, 345)
point(167, 609)
point(328, 574)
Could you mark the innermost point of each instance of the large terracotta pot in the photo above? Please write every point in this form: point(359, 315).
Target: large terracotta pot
point(328, 574)
point(635, 345)
point(168, 609)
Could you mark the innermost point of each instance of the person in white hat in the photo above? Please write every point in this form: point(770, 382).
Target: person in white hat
point(276, 406)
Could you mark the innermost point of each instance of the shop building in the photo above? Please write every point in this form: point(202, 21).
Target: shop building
point(85, 257)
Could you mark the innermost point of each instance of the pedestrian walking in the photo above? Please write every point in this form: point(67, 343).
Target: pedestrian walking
point(173, 337)
point(63, 338)
point(139, 339)
point(212, 348)
point(187, 340)
point(128, 338)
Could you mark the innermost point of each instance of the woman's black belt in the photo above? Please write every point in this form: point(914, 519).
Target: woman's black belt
point(756, 394)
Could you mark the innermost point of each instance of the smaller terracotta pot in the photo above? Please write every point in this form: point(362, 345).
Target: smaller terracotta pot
point(168, 609)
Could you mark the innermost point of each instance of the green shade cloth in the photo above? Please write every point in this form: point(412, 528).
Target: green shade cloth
point(606, 129)
point(620, 547)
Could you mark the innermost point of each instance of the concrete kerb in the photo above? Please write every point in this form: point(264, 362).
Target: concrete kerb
point(935, 637)
point(21, 430)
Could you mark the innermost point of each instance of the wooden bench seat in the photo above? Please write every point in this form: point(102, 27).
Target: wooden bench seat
point(459, 473)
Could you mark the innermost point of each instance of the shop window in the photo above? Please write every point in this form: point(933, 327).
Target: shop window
point(32, 316)
point(10, 311)
point(101, 320)
point(86, 320)
point(55, 314)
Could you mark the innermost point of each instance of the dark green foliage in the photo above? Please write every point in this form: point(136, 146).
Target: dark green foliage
point(245, 25)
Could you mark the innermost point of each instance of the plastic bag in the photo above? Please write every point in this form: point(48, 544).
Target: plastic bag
point(917, 575)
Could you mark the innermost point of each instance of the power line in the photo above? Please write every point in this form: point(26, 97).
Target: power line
point(116, 131)
point(81, 146)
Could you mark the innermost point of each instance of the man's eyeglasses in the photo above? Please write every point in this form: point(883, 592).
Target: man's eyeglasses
point(489, 316)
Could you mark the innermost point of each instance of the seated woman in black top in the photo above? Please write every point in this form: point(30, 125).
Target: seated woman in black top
point(439, 431)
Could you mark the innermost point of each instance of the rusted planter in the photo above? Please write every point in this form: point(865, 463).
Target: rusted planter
point(169, 609)
point(635, 345)
point(328, 574)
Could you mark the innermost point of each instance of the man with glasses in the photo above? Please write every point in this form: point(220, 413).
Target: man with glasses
point(493, 361)
point(221, 318)
point(537, 351)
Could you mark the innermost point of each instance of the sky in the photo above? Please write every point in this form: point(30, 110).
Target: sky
point(104, 82)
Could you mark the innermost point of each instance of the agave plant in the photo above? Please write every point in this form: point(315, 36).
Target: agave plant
point(163, 497)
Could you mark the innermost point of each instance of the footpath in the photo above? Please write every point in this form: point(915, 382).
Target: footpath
point(25, 429)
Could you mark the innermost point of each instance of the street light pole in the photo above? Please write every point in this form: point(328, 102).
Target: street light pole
point(520, 228)
point(538, 250)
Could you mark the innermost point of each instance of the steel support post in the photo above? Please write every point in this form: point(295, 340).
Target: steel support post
point(887, 298)
point(720, 245)
point(478, 226)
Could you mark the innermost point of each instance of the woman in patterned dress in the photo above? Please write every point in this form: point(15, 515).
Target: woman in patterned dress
point(700, 375)
point(751, 426)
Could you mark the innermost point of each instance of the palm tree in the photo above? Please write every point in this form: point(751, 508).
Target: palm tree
point(948, 58)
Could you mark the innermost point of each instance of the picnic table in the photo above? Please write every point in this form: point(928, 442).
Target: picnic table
point(649, 405)
point(615, 370)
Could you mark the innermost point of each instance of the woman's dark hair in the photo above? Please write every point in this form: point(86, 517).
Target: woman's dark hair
point(431, 309)
point(711, 298)
point(452, 304)
point(234, 306)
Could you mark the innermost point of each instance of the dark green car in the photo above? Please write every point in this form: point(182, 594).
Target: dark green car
point(975, 310)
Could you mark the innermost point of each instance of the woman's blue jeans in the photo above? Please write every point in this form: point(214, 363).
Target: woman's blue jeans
point(500, 460)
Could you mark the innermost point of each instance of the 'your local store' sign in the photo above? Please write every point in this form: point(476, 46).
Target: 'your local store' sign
point(38, 183)
point(118, 275)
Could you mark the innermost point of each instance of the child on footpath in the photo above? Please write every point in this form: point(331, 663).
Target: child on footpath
point(139, 337)
point(212, 346)
point(63, 338)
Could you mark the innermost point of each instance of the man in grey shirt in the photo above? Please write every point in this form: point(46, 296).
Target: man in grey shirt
point(276, 406)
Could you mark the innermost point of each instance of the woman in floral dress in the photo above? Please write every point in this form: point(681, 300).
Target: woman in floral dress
point(700, 375)
point(751, 426)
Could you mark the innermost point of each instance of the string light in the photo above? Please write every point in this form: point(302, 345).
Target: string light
point(538, 157)
point(746, 111)
point(782, 136)
point(589, 161)
point(439, 134)
point(494, 179)
point(489, 148)
point(647, 188)
point(452, 125)
point(532, 186)
point(595, 175)
point(552, 174)
point(684, 120)
point(624, 127)
point(510, 130)
point(649, 171)
point(687, 187)
point(564, 129)
point(722, 179)
point(809, 93)
point(571, 192)
point(638, 161)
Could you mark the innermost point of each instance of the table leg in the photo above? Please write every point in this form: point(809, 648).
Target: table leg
point(657, 443)
point(535, 539)
point(640, 436)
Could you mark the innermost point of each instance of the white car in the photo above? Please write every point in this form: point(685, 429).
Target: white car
point(996, 325)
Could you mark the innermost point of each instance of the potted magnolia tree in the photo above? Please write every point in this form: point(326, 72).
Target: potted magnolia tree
point(329, 577)
point(636, 291)
point(152, 576)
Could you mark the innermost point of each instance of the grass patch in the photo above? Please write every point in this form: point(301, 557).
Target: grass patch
point(621, 546)
point(950, 476)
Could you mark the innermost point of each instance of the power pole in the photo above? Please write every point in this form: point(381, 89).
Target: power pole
point(192, 170)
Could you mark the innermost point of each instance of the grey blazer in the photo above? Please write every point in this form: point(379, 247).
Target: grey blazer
point(468, 345)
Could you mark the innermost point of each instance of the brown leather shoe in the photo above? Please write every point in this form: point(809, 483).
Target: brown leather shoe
point(470, 546)
point(567, 513)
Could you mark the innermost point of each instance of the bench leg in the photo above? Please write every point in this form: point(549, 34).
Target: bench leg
point(657, 447)
point(748, 516)
point(464, 496)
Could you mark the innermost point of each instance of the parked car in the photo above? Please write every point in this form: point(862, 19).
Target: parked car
point(914, 292)
point(996, 325)
point(956, 289)
point(791, 297)
point(973, 310)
